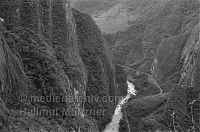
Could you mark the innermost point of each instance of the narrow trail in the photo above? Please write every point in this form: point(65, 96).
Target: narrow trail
point(114, 125)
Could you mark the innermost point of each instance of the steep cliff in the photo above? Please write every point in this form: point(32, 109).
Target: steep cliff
point(50, 52)
point(99, 66)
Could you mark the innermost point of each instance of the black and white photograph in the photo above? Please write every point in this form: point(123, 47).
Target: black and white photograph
point(99, 66)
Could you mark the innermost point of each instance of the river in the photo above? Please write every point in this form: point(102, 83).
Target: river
point(114, 125)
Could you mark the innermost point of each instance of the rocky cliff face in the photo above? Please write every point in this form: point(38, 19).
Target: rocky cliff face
point(48, 50)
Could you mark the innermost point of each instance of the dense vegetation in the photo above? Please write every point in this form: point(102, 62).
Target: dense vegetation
point(41, 55)
point(159, 46)
point(49, 49)
point(159, 52)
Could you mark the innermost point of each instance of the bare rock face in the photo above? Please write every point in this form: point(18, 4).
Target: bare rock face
point(190, 57)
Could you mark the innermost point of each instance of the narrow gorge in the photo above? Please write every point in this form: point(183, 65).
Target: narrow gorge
point(99, 66)
point(114, 125)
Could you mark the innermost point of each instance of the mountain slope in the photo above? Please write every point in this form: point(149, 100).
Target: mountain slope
point(43, 69)
point(118, 15)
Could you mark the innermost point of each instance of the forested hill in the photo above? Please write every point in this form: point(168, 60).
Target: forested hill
point(49, 50)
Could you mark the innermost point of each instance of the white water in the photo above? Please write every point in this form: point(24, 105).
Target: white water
point(114, 125)
point(1, 19)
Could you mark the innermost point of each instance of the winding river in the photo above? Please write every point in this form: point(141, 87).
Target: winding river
point(114, 125)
